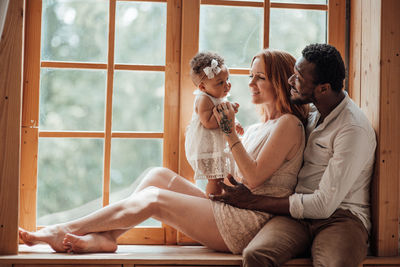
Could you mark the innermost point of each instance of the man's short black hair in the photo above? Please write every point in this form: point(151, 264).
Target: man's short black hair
point(329, 66)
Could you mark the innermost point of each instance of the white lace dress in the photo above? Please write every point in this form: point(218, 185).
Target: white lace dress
point(206, 149)
point(238, 226)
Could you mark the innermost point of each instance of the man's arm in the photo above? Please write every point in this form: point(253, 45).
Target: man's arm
point(240, 196)
point(353, 151)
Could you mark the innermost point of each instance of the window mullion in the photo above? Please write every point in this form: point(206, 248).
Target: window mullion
point(267, 9)
point(109, 96)
point(30, 116)
point(337, 25)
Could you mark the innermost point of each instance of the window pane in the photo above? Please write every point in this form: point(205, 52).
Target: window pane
point(240, 93)
point(233, 32)
point(319, 2)
point(138, 103)
point(301, 27)
point(130, 160)
point(69, 178)
point(75, 30)
point(72, 99)
point(140, 33)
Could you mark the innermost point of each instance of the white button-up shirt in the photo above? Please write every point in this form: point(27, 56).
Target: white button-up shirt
point(338, 164)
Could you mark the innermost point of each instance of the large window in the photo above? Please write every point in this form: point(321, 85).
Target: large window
point(108, 93)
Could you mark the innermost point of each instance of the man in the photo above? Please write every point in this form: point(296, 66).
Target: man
point(329, 211)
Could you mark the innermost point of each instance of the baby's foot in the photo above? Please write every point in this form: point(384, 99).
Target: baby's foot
point(93, 242)
point(52, 235)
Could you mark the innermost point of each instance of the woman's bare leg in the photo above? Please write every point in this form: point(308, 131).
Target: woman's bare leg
point(93, 242)
point(166, 179)
point(121, 215)
point(188, 214)
point(107, 241)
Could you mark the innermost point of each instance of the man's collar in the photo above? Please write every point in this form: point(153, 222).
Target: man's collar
point(335, 112)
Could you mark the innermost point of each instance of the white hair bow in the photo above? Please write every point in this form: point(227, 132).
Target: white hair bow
point(213, 69)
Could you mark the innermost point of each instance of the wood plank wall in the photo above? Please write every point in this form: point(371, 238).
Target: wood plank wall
point(11, 58)
point(374, 83)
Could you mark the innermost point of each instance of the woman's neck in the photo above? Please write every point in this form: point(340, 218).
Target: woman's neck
point(270, 113)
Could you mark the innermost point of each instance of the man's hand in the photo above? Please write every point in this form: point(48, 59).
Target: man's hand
point(240, 196)
point(237, 195)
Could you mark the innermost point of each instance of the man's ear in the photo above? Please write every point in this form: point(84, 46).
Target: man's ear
point(324, 88)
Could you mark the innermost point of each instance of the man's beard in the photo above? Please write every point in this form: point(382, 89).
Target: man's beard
point(303, 99)
point(300, 101)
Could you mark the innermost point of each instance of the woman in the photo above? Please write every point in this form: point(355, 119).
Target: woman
point(268, 161)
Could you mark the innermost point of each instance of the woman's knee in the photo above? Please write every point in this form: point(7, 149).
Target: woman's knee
point(158, 177)
point(146, 200)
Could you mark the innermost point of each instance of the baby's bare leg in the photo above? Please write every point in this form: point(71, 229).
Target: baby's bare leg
point(213, 187)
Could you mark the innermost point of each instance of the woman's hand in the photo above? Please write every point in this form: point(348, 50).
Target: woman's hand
point(239, 128)
point(224, 113)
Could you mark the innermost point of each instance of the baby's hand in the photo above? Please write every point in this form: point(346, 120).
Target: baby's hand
point(239, 128)
point(235, 107)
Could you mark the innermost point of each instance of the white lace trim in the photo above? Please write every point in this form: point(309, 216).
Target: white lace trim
point(211, 168)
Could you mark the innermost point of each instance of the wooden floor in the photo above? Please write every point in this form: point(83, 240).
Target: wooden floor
point(147, 255)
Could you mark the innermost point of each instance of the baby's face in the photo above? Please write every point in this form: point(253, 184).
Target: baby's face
point(219, 86)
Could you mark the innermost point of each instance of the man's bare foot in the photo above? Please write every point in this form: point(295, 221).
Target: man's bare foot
point(52, 235)
point(93, 242)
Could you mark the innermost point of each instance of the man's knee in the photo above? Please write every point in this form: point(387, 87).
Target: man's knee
point(254, 256)
point(337, 262)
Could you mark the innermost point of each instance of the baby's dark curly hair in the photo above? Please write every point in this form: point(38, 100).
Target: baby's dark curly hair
point(199, 62)
point(329, 66)
point(203, 59)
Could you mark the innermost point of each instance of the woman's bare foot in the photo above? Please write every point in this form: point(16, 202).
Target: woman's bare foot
point(93, 242)
point(52, 235)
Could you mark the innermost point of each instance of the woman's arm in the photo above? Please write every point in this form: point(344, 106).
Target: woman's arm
point(204, 109)
point(282, 144)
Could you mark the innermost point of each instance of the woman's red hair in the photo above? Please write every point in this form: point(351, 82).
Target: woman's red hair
point(278, 68)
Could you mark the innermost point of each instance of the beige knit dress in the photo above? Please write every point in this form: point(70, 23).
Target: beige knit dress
point(238, 226)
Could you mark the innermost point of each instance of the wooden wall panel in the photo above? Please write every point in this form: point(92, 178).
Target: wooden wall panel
point(389, 130)
point(374, 79)
point(355, 51)
point(11, 58)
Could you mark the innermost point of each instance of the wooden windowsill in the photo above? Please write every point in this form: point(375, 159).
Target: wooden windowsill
point(134, 255)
